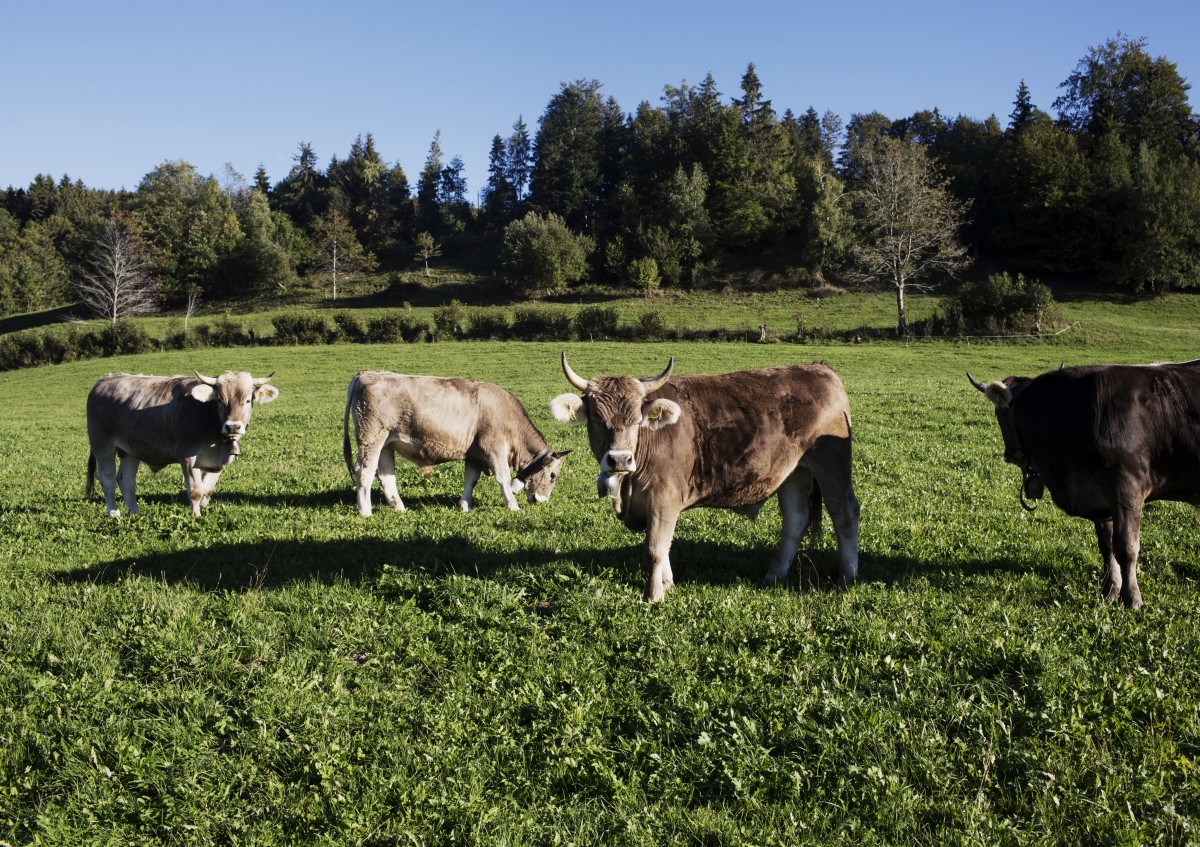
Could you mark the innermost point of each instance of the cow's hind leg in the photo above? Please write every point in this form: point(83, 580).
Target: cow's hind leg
point(106, 472)
point(127, 479)
point(794, 509)
point(1111, 587)
point(387, 481)
point(1127, 532)
point(844, 512)
point(471, 474)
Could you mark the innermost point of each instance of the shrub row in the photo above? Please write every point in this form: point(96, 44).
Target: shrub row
point(998, 305)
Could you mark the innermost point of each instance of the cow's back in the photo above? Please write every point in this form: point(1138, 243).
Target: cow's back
point(153, 418)
point(430, 419)
point(740, 435)
point(1082, 425)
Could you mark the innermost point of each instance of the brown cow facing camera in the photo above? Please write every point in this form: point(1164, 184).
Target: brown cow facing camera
point(666, 444)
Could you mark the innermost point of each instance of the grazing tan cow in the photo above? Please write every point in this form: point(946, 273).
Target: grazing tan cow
point(430, 420)
point(666, 444)
point(195, 421)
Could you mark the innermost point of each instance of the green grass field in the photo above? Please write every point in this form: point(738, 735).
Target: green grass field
point(283, 671)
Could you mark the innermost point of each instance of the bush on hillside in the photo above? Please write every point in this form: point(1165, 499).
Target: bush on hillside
point(531, 323)
point(998, 305)
point(543, 254)
point(300, 328)
point(596, 322)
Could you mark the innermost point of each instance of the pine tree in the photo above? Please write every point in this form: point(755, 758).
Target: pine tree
point(519, 159)
point(428, 184)
point(1023, 109)
point(500, 196)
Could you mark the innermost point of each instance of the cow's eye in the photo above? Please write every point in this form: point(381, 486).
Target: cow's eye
point(553, 477)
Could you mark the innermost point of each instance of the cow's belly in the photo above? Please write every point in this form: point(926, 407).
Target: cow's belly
point(742, 494)
point(154, 454)
point(426, 452)
point(1080, 498)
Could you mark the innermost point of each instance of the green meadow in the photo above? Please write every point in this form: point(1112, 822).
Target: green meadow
point(284, 671)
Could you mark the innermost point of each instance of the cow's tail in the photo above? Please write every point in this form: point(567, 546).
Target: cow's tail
point(346, 452)
point(91, 476)
point(814, 513)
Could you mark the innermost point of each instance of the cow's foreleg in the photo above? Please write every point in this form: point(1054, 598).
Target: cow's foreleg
point(504, 479)
point(208, 484)
point(793, 508)
point(1113, 582)
point(106, 472)
point(127, 479)
point(193, 484)
point(659, 532)
point(471, 475)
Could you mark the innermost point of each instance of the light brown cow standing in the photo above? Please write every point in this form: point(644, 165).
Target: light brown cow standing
point(160, 420)
point(430, 420)
point(731, 441)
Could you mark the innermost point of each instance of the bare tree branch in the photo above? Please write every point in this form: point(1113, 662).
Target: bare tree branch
point(116, 283)
point(909, 221)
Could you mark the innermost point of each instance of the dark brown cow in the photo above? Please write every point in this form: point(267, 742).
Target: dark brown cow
point(195, 421)
point(1104, 440)
point(667, 444)
point(430, 420)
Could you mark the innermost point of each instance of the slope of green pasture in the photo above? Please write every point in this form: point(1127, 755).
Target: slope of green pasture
point(282, 670)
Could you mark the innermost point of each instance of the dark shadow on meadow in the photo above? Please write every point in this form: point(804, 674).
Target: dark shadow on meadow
point(272, 563)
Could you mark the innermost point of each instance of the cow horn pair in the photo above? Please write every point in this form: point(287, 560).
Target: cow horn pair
point(651, 383)
point(212, 380)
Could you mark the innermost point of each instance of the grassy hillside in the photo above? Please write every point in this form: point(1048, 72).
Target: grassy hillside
point(282, 670)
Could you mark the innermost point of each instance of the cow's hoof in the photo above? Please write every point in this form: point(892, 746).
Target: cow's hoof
point(464, 506)
point(114, 513)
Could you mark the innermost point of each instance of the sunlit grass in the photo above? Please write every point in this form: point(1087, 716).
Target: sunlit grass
point(282, 670)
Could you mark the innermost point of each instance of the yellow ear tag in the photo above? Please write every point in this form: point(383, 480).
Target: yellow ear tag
point(655, 415)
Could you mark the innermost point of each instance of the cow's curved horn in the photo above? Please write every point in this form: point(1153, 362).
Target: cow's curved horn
point(263, 380)
point(655, 382)
point(976, 383)
point(207, 380)
point(572, 377)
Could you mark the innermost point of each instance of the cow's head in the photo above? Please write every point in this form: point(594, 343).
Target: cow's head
point(615, 410)
point(538, 478)
point(1003, 393)
point(234, 393)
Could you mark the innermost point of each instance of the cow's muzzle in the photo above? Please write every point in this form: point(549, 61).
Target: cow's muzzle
point(618, 462)
point(233, 430)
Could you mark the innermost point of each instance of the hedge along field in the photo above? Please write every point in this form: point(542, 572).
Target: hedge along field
point(283, 670)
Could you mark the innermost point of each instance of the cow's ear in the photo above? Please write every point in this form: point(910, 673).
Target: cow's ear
point(660, 412)
point(265, 393)
point(203, 393)
point(998, 393)
point(567, 408)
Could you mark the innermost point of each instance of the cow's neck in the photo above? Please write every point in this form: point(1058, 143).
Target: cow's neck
point(529, 451)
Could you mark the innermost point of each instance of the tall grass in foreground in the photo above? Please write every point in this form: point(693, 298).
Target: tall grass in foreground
point(283, 671)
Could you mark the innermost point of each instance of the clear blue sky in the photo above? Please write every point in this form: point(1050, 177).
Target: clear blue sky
point(106, 91)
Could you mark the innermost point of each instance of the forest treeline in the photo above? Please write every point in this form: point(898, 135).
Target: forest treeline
point(1104, 183)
